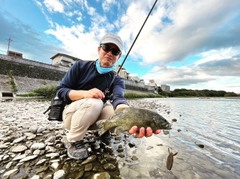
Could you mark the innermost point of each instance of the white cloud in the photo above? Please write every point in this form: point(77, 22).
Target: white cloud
point(213, 55)
point(54, 6)
point(106, 5)
point(76, 41)
point(192, 28)
point(210, 73)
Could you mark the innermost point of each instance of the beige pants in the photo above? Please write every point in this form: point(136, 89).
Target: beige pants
point(80, 115)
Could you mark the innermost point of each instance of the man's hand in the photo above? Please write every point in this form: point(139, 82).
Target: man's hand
point(81, 94)
point(143, 132)
point(94, 93)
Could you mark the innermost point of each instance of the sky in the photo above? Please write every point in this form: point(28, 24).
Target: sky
point(184, 44)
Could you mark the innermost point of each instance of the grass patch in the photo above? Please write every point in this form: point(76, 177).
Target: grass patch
point(135, 95)
point(12, 82)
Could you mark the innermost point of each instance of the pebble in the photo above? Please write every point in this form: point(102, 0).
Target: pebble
point(19, 148)
point(33, 147)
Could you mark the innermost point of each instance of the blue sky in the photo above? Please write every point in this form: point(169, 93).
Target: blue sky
point(185, 44)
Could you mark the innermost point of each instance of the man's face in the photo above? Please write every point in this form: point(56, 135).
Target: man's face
point(107, 59)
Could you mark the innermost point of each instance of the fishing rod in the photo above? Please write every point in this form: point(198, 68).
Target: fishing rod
point(136, 37)
point(107, 90)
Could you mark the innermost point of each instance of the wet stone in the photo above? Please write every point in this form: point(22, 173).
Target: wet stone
point(60, 174)
point(174, 120)
point(80, 174)
point(41, 169)
point(131, 144)
point(89, 159)
point(109, 166)
point(134, 158)
point(41, 161)
point(121, 155)
point(88, 167)
point(97, 168)
point(101, 175)
point(54, 165)
point(35, 177)
point(120, 148)
point(149, 147)
point(165, 132)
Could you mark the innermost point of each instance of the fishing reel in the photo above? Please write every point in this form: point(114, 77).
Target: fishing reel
point(107, 96)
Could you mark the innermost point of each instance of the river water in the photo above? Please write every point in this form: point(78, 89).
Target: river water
point(212, 122)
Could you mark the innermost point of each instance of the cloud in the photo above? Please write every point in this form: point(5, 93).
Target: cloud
point(223, 67)
point(82, 40)
point(76, 42)
point(54, 6)
point(192, 27)
point(211, 73)
point(26, 38)
point(106, 5)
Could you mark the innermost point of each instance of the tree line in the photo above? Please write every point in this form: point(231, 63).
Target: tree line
point(49, 92)
point(197, 93)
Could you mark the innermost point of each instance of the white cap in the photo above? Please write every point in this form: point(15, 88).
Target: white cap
point(114, 39)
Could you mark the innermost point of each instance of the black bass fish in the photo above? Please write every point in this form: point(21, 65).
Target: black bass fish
point(130, 117)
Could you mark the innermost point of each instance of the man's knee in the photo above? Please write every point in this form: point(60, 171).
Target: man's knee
point(95, 104)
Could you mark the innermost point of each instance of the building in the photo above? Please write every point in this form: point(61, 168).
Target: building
point(14, 54)
point(122, 73)
point(63, 60)
point(165, 88)
point(133, 82)
point(152, 83)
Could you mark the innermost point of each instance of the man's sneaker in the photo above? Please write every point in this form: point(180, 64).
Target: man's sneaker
point(77, 150)
point(106, 138)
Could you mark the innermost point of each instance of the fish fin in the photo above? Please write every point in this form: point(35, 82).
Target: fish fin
point(119, 110)
point(119, 130)
point(101, 127)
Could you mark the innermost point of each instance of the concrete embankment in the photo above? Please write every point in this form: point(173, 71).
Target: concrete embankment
point(25, 85)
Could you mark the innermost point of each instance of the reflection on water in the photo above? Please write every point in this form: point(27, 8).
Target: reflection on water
point(211, 122)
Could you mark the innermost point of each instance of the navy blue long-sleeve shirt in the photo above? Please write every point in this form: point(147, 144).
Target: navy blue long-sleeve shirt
point(82, 76)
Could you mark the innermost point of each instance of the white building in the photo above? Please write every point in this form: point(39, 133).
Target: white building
point(122, 73)
point(152, 83)
point(64, 60)
point(165, 88)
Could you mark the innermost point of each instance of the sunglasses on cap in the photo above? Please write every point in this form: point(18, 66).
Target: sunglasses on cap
point(107, 49)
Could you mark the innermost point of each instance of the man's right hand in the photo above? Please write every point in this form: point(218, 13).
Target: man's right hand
point(94, 93)
point(80, 94)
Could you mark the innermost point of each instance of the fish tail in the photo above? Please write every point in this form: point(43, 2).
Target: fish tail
point(101, 127)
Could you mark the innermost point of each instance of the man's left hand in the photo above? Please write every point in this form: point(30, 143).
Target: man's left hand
point(143, 132)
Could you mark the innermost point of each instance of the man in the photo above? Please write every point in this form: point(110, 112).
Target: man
point(84, 86)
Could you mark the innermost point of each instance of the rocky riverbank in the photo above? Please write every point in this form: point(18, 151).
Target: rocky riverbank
point(33, 147)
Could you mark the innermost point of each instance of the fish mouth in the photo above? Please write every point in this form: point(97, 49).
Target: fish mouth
point(168, 126)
